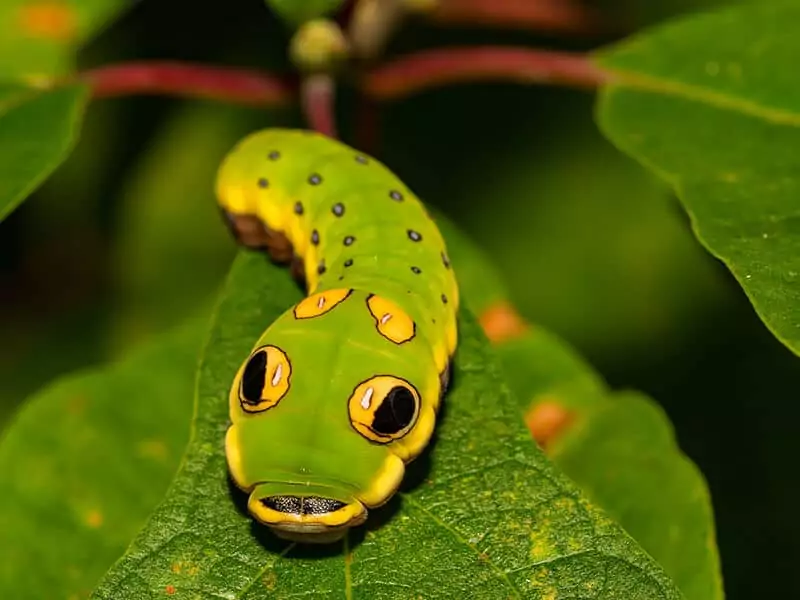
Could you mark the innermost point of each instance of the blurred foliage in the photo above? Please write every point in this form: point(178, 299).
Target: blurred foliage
point(590, 246)
point(99, 422)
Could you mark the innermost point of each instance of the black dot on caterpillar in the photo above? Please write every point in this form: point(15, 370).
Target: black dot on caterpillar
point(348, 241)
point(298, 208)
point(414, 236)
point(274, 155)
point(445, 260)
point(315, 179)
point(395, 195)
point(321, 267)
point(262, 183)
point(361, 159)
point(444, 299)
point(338, 209)
point(348, 262)
point(416, 270)
point(315, 237)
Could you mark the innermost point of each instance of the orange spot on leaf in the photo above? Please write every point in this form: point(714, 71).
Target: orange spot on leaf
point(548, 420)
point(94, 519)
point(170, 589)
point(49, 20)
point(77, 404)
point(502, 322)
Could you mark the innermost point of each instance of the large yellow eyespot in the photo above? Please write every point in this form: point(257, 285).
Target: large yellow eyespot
point(392, 322)
point(265, 379)
point(384, 408)
point(318, 304)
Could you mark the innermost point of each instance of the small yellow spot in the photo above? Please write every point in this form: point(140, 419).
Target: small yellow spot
point(501, 322)
point(547, 421)
point(181, 567)
point(729, 177)
point(40, 81)
point(94, 519)
point(155, 449)
point(48, 20)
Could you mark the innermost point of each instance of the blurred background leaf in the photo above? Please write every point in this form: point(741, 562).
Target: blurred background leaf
point(710, 106)
point(85, 463)
point(39, 37)
point(295, 13)
point(37, 131)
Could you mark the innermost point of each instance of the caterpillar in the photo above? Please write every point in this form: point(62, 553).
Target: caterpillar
point(342, 390)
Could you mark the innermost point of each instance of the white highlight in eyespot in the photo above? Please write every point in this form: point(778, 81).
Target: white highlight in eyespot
point(385, 318)
point(366, 400)
point(321, 302)
point(277, 376)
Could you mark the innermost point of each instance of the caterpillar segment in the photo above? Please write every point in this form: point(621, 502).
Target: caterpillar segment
point(342, 390)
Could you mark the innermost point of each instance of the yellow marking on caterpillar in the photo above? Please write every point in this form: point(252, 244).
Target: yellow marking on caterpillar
point(320, 303)
point(391, 321)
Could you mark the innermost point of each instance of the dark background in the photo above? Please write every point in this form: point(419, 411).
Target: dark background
point(124, 241)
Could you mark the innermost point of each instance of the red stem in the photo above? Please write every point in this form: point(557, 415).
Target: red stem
point(434, 68)
point(317, 94)
point(189, 80)
point(548, 15)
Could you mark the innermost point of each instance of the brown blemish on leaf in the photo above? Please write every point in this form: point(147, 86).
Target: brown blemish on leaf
point(52, 20)
point(269, 580)
point(547, 421)
point(77, 404)
point(94, 519)
point(155, 449)
point(501, 322)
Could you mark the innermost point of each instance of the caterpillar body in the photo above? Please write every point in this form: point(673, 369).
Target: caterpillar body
point(341, 391)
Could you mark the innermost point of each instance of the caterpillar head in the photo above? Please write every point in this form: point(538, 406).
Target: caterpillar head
point(323, 423)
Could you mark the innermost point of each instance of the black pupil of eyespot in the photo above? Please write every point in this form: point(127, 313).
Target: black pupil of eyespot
point(253, 377)
point(395, 412)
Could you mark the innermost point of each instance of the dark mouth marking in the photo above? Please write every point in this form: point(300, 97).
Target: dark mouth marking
point(307, 505)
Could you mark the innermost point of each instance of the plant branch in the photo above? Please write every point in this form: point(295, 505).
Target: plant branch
point(541, 15)
point(226, 84)
point(433, 68)
point(317, 96)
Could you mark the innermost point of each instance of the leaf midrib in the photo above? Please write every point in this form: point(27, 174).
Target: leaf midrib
point(623, 78)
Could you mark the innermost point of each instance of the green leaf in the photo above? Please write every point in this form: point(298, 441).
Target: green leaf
point(86, 461)
point(482, 515)
point(712, 104)
point(296, 13)
point(39, 38)
point(619, 448)
point(36, 134)
point(625, 457)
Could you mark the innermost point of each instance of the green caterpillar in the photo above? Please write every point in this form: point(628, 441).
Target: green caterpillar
point(342, 390)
